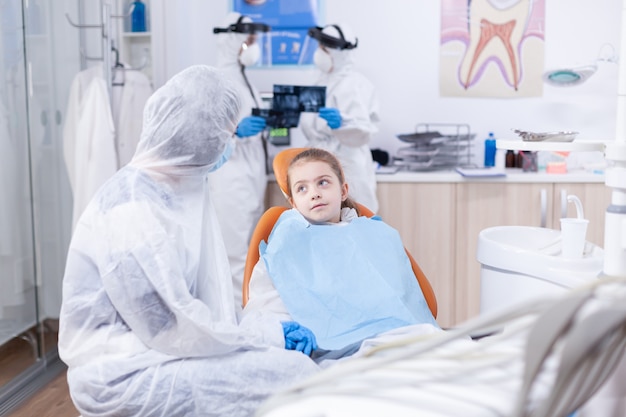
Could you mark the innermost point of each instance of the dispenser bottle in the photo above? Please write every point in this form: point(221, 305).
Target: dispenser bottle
point(490, 150)
point(138, 17)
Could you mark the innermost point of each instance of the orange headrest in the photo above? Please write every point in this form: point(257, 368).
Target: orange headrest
point(281, 165)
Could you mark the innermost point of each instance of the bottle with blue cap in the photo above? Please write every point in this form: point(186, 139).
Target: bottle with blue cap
point(138, 17)
point(490, 150)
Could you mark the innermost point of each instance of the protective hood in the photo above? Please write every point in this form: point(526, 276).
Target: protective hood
point(188, 123)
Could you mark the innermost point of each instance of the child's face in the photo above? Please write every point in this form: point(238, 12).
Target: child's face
point(316, 191)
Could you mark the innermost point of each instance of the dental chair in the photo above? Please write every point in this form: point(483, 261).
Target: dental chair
point(268, 219)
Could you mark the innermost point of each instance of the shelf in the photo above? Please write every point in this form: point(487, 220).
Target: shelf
point(576, 145)
point(136, 34)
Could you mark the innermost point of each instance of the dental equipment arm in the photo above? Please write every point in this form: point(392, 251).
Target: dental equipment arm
point(615, 177)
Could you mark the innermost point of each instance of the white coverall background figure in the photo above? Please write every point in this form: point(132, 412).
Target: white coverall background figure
point(239, 187)
point(353, 96)
point(147, 323)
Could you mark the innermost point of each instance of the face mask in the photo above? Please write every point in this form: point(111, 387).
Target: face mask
point(322, 60)
point(250, 54)
point(225, 156)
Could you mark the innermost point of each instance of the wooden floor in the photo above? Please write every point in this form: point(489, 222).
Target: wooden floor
point(53, 400)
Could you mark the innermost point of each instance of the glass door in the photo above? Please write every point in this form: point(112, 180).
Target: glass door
point(18, 298)
point(52, 59)
point(39, 56)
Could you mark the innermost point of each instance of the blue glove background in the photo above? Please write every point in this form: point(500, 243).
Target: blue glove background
point(298, 338)
point(250, 126)
point(332, 116)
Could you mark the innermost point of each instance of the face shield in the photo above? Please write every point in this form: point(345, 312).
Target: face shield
point(248, 28)
point(332, 42)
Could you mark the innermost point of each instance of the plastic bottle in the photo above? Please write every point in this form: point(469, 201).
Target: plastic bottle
point(490, 150)
point(138, 17)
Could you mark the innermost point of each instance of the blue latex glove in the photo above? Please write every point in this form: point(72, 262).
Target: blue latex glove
point(298, 337)
point(250, 126)
point(332, 116)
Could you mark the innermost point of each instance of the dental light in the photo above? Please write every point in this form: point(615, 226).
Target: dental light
point(571, 76)
point(566, 77)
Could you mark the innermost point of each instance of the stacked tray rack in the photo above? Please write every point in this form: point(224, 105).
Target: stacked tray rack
point(435, 146)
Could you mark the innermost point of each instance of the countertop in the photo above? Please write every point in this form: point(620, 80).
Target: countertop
point(513, 175)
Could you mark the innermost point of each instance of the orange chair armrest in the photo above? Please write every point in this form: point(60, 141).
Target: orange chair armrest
point(261, 232)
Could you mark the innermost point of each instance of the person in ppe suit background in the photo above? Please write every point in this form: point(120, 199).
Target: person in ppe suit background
point(239, 188)
point(345, 126)
point(147, 323)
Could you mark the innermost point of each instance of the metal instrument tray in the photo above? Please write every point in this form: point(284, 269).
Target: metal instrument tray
point(419, 137)
point(564, 136)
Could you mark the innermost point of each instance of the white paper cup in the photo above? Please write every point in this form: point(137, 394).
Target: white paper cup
point(573, 233)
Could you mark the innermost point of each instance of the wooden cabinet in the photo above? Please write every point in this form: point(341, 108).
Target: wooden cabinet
point(424, 215)
point(275, 197)
point(439, 223)
point(483, 205)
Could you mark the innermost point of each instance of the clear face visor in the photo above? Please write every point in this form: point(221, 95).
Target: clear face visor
point(241, 27)
point(328, 41)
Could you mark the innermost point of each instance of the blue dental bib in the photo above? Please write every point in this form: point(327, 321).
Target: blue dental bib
point(346, 282)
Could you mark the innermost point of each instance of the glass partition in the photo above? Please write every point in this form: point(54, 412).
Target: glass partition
point(39, 55)
point(52, 59)
point(18, 308)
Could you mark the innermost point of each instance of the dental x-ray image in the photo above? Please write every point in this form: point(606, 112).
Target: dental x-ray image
point(299, 98)
point(288, 101)
point(277, 119)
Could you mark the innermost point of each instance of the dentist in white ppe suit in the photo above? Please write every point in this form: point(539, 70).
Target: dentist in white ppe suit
point(147, 324)
point(346, 125)
point(239, 188)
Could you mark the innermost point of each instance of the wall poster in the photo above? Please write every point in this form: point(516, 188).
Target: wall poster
point(492, 48)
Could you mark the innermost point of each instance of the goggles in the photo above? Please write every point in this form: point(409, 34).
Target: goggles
point(330, 41)
point(241, 27)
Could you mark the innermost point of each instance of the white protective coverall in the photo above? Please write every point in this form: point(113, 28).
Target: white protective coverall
point(354, 96)
point(239, 187)
point(147, 324)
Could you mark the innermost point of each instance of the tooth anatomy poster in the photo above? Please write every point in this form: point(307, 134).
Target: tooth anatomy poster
point(492, 48)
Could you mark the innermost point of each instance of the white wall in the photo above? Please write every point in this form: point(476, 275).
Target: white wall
point(399, 51)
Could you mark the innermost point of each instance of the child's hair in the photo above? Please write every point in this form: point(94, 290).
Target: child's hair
point(316, 154)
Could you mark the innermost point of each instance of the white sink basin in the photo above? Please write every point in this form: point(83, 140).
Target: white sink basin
point(536, 251)
point(522, 262)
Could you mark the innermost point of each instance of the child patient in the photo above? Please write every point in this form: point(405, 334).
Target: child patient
point(347, 278)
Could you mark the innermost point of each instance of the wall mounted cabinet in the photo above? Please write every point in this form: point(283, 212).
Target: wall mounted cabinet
point(483, 205)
